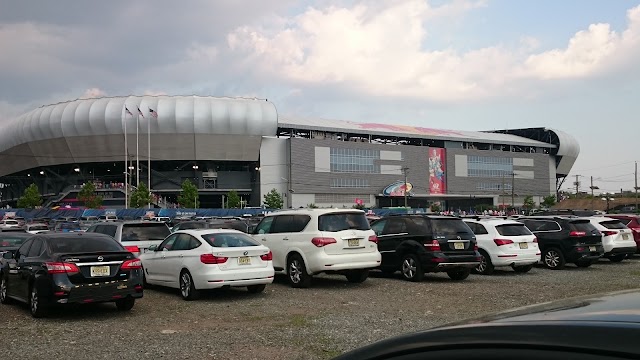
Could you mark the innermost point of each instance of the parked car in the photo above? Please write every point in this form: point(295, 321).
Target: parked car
point(189, 225)
point(107, 218)
point(62, 268)
point(11, 241)
point(36, 228)
point(9, 223)
point(632, 222)
point(617, 239)
point(67, 227)
point(135, 236)
point(504, 243)
point(194, 260)
point(307, 242)
point(566, 239)
point(564, 329)
point(419, 244)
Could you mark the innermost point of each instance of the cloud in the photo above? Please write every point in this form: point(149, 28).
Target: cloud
point(381, 53)
point(93, 93)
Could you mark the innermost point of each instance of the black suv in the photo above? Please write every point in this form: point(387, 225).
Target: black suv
point(417, 244)
point(565, 239)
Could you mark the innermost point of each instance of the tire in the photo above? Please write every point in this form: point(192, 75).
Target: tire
point(297, 272)
point(583, 263)
point(522, 269)
point(459, 274)
point(485, 267)
point(357, 276)
point(37, 305)
point(617, 258)
point(256, 289)
point(553, 259)
point(145, 284)
point(4, 297)
point(188, 290)
point(411, 268)
point(125, 304)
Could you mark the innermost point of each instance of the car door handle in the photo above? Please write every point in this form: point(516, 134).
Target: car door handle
point(264, 239)
point(285, 239)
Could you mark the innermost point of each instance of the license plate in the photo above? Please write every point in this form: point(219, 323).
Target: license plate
point(99, 271)
point(625, 236)
point(354, 243)
point(244, 260)
point(592, 248)
point(524, 246)
point(458, 246)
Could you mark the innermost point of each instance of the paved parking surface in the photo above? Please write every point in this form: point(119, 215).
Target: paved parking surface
point(283, 323)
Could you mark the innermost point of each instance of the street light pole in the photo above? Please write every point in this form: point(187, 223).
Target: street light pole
point(404, 171)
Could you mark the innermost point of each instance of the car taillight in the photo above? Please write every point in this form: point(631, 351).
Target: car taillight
point(267, 257)
point(609, 233)
point(636, 230)
point(373, 239)
point(132, 264)
point(577, 233)
point(535, 239)
point(323, 241)
point(132, 249)
point(212, 259)
point(434, 245)
point(501, 242)
point(475, 247)
point(61, 268)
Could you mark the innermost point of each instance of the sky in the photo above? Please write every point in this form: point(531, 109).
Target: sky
point(459, 64)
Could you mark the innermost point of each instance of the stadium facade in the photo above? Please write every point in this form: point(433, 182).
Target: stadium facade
point(241, 144)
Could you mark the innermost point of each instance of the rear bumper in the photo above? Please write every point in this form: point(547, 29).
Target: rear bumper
point(217, 279)
point(518, 259)
point(467, 265)
point(96, 293)
point(322, 262)
point(439, 261)
point(585, 254)
point(629, 250)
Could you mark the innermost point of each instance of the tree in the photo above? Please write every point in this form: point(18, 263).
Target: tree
point(89, 197)
point(140, 197)
point(528, 202)
point(273, 200)
point(233, 200)
point(435, 207)
point(312, 206)
point(188, 198)
point(31, 198)
point(548, 201)
point(359, 206)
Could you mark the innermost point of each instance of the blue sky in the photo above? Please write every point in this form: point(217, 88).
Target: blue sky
point(460, 64)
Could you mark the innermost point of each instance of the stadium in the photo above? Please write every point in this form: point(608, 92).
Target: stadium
point(223, 144)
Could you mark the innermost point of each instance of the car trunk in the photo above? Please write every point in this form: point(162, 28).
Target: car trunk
point(522, 239)
point(242, 257)
point(350, 230)
point(454, 236)
point(97, 267)
point(585, 232)
point(618, 232)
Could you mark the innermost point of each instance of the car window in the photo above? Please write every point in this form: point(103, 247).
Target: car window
point(378, 226)
point(229, 240)
point(168, 242)
point(36, 248)
point(513, 230)
point(184, 242)
point(582, 225)
point(343, 221)
point(265, 225)
point(395, 226)
point(542, 225)
point(80, 244)
point(478, 229)
point(193, 225)
point(144, 231)
point(625, 221)
point(9, 241)
point(613, 224)
point(23, 250)
point(299, 222)
point(38, 227)
point(450, 227)
point(423, 224)
point(107, 230)
point(282, 224)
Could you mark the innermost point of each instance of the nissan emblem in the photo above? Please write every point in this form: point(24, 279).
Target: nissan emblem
point(100, 258)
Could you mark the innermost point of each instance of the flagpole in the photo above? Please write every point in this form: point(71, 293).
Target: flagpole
point(149, 158)
point(126, 164)
point(138, 150)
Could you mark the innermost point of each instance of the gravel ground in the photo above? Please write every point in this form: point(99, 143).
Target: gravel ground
point(283, 323)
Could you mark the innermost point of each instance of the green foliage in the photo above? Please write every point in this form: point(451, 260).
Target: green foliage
point(188, 198)
point(312, 206)
point(435, 207)
point(89, 197)
point(233, 200)
point(548, 201)
point(359, 206)
point(140, 197)
point(273, 200)
point(528, 202)
point(31, 198)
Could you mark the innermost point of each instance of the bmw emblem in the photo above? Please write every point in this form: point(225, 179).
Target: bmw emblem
point(246, 253)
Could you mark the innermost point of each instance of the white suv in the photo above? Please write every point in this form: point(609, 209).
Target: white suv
point(504, 243)
point(617, 239)
point(307, 242)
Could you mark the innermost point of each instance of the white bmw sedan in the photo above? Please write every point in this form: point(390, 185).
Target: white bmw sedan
point(200, 259)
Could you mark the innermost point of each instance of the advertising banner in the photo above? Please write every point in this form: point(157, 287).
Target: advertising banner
point(437, 175)
point(398, 188)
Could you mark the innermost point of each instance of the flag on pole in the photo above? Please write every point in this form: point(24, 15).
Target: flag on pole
point(153, 113)
point(127, 111)
point(140, 112)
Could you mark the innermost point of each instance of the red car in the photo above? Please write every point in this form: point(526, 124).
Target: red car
point(632, 222)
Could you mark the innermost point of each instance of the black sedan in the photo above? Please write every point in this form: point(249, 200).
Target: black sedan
point(65, 268)
point(603, 327)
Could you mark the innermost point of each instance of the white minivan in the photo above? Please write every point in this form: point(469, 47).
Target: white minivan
point(306, 242)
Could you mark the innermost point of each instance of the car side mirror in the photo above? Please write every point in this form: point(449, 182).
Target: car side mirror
point(153, 248)
point(165, 249)
point(7, 255)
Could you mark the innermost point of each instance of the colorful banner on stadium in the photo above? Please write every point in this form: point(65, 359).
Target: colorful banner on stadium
point(437, 175)
point(397, 189)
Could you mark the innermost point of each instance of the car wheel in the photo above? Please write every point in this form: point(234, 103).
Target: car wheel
point(485, 267)
point(4, 297)
point(522, 268)
point(297, 272)
point(37, 305)
point(553, 259)
point(357, 276)
point(617, 258)
point(459, 274)
point(125, 304)
point(411, 268)
point(187, 288)
point(583, 263)
point(256, 289)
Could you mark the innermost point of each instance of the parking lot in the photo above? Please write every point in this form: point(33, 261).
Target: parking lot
point(284, 323)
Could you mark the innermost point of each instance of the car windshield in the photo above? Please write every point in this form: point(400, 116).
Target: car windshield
point(38, 227)
point(450, 227)
point(68, 227)
point(9, 241)
point(11, 222)
point(343, 221)
point(513, 230)
point(144, 231)
point(582, 225)
point(229, 240)
point(64, 245)
point(192, 225)
point(613, 224)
